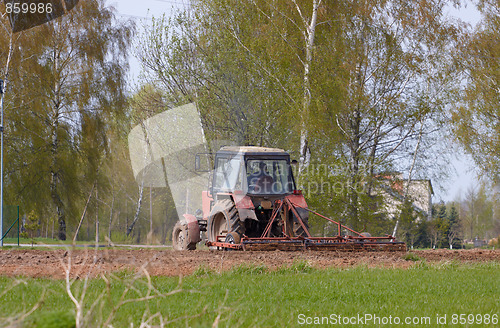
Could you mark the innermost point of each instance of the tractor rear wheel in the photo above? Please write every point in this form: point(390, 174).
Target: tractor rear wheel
point(180, 238)
point(224, 220)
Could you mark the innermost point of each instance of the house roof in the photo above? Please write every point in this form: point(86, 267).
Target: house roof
point(396, 176)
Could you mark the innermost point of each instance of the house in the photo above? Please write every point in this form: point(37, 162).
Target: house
point(393, 188)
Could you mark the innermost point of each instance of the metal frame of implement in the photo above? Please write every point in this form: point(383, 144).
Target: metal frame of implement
point(355, 242)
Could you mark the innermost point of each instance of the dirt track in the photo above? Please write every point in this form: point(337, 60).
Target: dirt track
point(42, 263)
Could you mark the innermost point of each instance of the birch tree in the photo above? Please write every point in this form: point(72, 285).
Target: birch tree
point(390, 84)
point(476, 116)
point(70, 86)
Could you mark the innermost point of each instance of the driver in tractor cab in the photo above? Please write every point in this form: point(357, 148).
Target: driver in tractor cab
point(260, 182)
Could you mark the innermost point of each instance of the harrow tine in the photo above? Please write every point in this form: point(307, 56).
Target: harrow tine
point(292, 207)
point(270, 223)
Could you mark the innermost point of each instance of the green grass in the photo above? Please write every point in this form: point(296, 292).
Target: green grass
point(28, 240)
point(411, 257)
point(47, 241)
point(254, 296)
point(55, 244)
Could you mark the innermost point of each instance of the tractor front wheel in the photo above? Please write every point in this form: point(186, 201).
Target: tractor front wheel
point(233, 238)
point(180, 237)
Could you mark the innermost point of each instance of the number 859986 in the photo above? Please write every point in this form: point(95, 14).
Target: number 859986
point(25, 8)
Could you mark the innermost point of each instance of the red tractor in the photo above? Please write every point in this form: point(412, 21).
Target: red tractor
point(253, 204)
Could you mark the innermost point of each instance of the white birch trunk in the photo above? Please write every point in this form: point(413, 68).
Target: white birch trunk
point(138, 209)
point(309, 33)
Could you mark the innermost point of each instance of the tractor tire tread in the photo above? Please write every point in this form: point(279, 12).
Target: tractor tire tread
point(232, 216)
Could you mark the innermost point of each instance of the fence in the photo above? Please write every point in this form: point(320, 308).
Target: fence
point(11, 224)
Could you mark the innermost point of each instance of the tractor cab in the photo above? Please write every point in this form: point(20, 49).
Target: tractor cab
point(253, 171)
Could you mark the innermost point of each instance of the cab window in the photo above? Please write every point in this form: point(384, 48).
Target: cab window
point(227, 174)
point(268, 176)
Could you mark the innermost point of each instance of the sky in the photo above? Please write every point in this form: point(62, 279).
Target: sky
point(463, 174)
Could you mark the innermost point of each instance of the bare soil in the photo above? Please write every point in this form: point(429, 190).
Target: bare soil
point(54, 263)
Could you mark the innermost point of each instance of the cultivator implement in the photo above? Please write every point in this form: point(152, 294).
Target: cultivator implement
point(315, 243)
point(352, 242)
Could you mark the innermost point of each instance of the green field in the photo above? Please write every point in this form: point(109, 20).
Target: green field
point(253, 296)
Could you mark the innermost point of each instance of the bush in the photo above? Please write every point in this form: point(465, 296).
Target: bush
point(411, 257)
point(31, 227)
point(494, 242)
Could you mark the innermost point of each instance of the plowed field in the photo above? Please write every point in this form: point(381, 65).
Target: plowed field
point(54, 263)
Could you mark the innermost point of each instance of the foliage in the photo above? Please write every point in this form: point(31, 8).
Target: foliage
point(198, 56)
point(31, 226)
point(476, 116)
point(66, 91)
point(477, 212)
point(451, 224)
point(408, 220)
point(455, 230)
point(369, 92)
point(376, 80)
point(380, 110)
point(67, 125)
point(411, 257)
point(442, 224)
point(422, 238)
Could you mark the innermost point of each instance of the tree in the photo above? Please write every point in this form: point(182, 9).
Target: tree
point(438, 226)
point(422, 236)
point(70, 86)
point(476, 116)
point(469, 205)
point(443, 225)
point(391, 87)
point(198, 56)
point(31, 227)
point(409, 220)
point(478, 213)
point(352, 85)
point(454, 232)
point(433, 233)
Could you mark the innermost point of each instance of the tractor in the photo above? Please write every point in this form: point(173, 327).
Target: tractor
point(253, 203)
